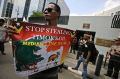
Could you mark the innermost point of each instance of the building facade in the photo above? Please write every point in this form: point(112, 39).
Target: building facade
point(21, 8)
point(26, 8)
point(6, 8)
point(101, 25)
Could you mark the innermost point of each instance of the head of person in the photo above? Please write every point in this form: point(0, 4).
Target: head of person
point(117, 41)
point(52, 12)
point(2, 21)
point(87, 37)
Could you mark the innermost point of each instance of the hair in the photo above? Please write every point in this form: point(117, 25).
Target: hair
point(57, 7)
point(2, 21)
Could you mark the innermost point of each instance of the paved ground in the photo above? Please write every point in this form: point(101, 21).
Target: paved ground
point(71, 62)
point(7, 70)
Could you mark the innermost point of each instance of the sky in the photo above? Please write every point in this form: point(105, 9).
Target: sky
point(90, 7)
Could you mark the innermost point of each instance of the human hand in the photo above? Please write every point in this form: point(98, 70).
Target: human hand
point(11, 29)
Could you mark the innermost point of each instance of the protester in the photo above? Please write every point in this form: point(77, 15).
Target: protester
point(88, 49)
point(114, 61)
point(3, 36)
point(52, 13)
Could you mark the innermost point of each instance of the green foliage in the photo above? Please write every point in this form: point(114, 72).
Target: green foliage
point(37, 14)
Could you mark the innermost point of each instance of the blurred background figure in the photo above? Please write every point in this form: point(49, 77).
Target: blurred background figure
point(80, 47)
point(3, 36)
point(114, 60)
point(73, 45)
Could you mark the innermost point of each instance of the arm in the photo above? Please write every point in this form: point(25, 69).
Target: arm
point(88, 56)
point(12, 30)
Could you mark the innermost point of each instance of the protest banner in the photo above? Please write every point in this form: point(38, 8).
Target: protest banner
point(39, 47)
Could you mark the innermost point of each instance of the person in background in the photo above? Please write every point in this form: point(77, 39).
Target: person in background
point(89, 47)
point(3, 36)
point(114, 60)
point(80, 47)
point(73, 45)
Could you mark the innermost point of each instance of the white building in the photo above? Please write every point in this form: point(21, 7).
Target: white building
point(1, 6)
point(35, 5)
point(6, 7)
point(99, 24)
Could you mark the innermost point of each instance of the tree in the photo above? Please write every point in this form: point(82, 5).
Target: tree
point(37, 14)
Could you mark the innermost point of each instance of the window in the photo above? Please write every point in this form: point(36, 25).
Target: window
point(116, 21)
point(9, 10)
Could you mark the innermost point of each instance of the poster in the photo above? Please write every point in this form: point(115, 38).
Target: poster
point(39, 47)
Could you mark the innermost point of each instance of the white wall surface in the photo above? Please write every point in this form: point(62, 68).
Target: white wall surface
point(18, 4)
point(1, 7)
point(99, 24)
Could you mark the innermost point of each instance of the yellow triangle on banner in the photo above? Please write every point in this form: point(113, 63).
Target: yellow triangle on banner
point(18, 30)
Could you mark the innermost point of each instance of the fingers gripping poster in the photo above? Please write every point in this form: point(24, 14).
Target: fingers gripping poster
point(39, 47)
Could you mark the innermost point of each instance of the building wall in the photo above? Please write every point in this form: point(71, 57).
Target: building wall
point(18, 4)
point(64, 8)
point(99, 24)
point(26, 8)
point(1, 6)
point(38, 7)
point(4, 8)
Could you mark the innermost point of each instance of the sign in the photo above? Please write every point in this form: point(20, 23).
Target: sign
point(103, 42)
point(86, 26)
point(39, 47)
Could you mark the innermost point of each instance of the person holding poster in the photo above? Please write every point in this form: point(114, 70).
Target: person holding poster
point(52, 13)
point(40, 50)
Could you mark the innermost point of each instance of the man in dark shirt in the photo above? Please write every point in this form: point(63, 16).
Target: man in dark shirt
point(86, 55)
point(52, 13)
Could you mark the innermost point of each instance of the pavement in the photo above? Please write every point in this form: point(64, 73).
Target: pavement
point(71, 62)
point(7, 70)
